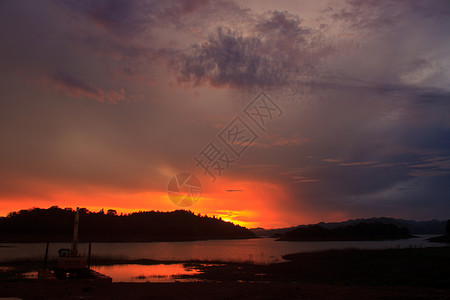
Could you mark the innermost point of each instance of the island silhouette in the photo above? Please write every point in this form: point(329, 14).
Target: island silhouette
point(358, 232)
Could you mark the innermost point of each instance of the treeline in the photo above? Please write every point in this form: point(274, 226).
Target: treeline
point(357, 232)
point(56, 224)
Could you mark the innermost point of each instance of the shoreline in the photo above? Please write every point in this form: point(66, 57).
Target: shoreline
point(437, 257)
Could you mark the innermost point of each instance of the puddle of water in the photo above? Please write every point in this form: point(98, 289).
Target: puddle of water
point(30, 275)
point(135, 273)
point(19, 274)
point(147, 273)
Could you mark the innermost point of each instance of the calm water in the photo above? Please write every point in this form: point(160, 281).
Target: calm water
point(264, 250)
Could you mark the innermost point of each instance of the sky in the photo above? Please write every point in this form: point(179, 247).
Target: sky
point(286, 112)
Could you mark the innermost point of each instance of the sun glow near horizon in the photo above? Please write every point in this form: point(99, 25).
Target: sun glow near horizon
point(249, 208)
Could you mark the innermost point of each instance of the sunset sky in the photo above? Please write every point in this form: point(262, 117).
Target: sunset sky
point(103, 102)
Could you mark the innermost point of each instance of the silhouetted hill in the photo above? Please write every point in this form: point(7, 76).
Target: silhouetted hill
point(271, 232)
point(56, 224)
point(355, 232)
point(415, 227)
point(440, 239)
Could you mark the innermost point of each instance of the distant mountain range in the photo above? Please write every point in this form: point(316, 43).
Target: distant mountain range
point(356, 232)
point(415, 227)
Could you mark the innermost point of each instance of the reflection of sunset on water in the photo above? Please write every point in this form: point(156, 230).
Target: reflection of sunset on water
point(144, 273)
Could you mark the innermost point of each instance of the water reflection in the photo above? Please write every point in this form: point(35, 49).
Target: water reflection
point(147, 273)
point(264, 250)
point(130, 272)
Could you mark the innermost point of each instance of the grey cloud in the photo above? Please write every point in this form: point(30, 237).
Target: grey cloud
point(123, 31)
point(118, 17)
point(74, 85)
point(376, 15)
point(278, 52)
point(130, 18)
point(228, 58)
point(284, 24)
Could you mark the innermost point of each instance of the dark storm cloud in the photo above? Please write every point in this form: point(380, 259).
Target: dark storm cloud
point(279, 51)
point(228, 58)
point(283, 23)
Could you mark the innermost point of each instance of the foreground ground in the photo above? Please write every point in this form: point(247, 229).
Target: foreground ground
point(413, 267)
point(416, 273)
point(211, 290)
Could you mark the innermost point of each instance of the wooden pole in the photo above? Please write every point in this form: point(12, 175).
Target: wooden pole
point(75, 235)
point(89, 256)
point(46, 256)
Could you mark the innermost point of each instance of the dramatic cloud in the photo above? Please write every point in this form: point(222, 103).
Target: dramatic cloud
point(276, 52)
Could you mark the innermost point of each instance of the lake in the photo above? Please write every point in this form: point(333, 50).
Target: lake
point(262, 251)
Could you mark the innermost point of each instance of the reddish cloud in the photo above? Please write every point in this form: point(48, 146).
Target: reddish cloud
point(275, 140)
point(76, 88)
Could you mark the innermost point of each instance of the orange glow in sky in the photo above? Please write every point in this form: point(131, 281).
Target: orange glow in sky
point(249, 204)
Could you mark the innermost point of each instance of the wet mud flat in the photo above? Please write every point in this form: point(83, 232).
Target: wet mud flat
point(416, 273)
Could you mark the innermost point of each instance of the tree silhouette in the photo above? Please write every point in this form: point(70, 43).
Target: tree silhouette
point(111, 212)
point(56, 224)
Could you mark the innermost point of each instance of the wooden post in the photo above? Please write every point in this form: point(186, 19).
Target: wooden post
point(89, 256)
point(46, 256)
point(75, 235)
